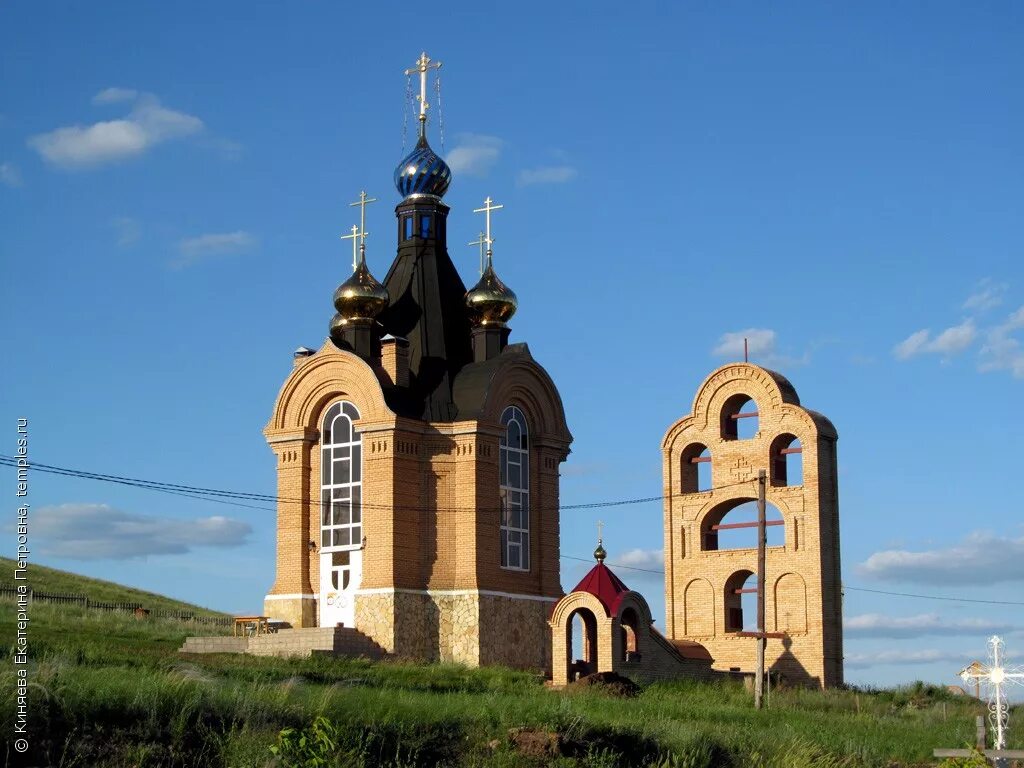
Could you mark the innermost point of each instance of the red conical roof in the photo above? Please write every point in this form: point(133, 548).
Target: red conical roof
point(605, 586)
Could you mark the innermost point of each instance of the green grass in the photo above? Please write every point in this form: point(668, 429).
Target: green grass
point(111, 690)
point(51, 580)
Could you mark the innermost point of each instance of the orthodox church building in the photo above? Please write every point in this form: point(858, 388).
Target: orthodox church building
point(418, 454)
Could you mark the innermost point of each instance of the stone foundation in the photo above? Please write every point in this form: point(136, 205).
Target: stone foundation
point(514, 632)
point(470, 628)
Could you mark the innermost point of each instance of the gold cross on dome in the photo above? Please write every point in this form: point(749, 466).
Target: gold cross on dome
point(480, 241)
point(362, 202)
point(354, 237)
point(600, 531)
point(486, 210)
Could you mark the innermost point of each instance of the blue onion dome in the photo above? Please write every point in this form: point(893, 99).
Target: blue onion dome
point(490, 301)
point(423, 172)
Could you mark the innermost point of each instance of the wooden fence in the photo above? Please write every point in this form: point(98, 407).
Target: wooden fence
point(137, 608)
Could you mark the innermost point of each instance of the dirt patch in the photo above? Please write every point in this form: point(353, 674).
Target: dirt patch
point(534, 742)
point(610, 683)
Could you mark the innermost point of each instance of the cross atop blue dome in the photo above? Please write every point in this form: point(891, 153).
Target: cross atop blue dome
point(422, 171)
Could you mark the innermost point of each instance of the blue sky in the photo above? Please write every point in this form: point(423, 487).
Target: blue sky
point(844, 186)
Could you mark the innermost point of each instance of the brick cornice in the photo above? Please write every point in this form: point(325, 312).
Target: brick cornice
point(303, 435)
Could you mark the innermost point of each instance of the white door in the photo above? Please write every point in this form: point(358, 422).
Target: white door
point(340, 573)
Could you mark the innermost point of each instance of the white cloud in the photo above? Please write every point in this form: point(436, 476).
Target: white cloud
point(128, 231)
point(951, 341)
point(194, 249)
point(646, 559)
point(10, 175)
point(1002, 349)
point(914, 344)
point(474, 154)
point(955, 339)
point(99, 532)
point(551, 174)
point(987, 295)
point(982, 558)
point(585, 469)
point(901, 658)
point(114, 95)
point(88, 146)
point(761, 344)
point(880, 625)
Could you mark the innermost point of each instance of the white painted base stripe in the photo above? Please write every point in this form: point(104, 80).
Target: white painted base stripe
point(429, 592)
point(296, 596)
point(454, 592)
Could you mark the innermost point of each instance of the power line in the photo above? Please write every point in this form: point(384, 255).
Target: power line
point(854, 589)
point(615, 565)
point(234, 498)
point(934, 597)
point(213, 494)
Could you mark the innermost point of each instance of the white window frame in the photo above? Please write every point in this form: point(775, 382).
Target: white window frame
point(514, 539)
point(336, 491)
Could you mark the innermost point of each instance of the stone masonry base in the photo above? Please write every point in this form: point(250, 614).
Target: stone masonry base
point(470, 628)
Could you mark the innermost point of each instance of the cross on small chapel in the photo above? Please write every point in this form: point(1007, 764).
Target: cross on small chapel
point(600, 532)
point(486, 210)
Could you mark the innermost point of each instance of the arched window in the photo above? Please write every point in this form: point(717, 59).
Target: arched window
point(695, 470)
point(515, 490)
point(787, 461)
point(741, 602)
point(739, 418)
point(341, 475)
point(733, 525)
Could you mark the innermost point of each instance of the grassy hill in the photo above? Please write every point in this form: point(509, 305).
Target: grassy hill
point(52, 580)
point(112, 690)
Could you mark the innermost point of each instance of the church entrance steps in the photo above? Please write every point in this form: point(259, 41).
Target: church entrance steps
point(306, 641)
point(215, 645)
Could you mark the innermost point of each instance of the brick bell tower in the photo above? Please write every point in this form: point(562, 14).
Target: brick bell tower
point(706, 569)
point(418, 454)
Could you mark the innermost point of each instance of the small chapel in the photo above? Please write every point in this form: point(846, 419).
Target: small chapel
point(418, 456)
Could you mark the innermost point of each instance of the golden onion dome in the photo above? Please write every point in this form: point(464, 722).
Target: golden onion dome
point(490, 301)
point(360, 297)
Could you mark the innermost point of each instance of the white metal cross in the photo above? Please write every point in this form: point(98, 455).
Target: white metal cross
point(600, 531)
point(482, 242)
point(362, 202)
point(994, 677)
point(354, 237)
point(422, 65)
point(486, 210)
